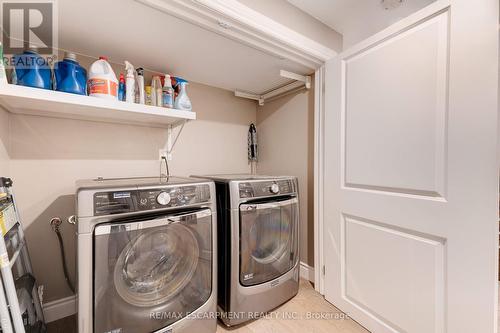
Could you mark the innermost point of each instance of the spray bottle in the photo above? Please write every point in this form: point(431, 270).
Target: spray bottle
point(130, 83)
point(140, 85)
point(182, 101)
point(3, 74)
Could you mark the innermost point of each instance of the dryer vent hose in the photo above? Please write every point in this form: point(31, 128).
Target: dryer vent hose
point(56, 223)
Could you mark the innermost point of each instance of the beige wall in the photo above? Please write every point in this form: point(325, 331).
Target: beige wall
point(48, 155)
point(290, 16)
point(45, 156)
point(285, 129)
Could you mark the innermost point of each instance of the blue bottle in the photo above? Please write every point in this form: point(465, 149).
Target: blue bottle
point(32, 70)
point(121, 88)
point(70, 76)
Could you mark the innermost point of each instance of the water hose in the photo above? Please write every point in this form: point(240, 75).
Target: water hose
point(56, 224)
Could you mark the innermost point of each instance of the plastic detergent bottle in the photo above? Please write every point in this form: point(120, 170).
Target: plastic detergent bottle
point(121, 88)
point(147, 93)
point(168, 93)
point(102, 80)
point(182, 101)
point(156, 91)
point(70, 76)
point(32, 70)
point(3, 73)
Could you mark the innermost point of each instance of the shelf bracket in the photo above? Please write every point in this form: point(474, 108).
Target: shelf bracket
point(299, 81)
point(297, 77)
point(172, 139)
point(254, 97)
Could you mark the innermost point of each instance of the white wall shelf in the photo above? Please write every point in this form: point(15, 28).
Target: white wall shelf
point(48, 103)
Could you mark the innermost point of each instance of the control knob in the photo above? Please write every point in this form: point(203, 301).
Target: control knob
point(163, 198)
point(275, 188)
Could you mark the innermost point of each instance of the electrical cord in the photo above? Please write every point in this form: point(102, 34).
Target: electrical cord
point(56, 223)
point(163, 158)
point(169, 150)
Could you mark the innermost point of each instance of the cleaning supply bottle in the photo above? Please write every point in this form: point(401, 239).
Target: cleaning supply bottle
point(3, 72)
point(147, 93)
point(167, 93)
point(130, 84)
point(153, 90)
point(69, 76)
point(121, 88)
point(102, 80)
point(32, 70)
point(156, 91)
point(140, 85)
point(182, 101)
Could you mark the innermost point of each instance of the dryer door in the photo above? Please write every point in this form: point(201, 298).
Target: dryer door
point(151, 273)
point(268, 240)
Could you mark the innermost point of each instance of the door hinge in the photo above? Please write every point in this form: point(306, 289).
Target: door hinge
point(324, 270)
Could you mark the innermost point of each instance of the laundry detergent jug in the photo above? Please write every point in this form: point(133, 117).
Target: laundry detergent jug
point(32, 70)
point(102, 80)
point(70, 76)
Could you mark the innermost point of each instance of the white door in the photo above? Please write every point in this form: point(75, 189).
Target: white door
point(411, 174)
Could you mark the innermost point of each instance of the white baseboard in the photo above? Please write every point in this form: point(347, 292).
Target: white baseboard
point(306, 272)
point(59, 308)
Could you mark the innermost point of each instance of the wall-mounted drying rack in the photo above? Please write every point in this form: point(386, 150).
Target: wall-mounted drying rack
point(300, 81)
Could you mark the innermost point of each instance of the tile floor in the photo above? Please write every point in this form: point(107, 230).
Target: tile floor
point(306, 304)
point(293, 316)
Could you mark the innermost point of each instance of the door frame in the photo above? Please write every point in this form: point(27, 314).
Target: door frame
point(319, 128)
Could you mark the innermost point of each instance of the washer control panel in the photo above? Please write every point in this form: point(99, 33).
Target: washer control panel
point(119, 202)
point(267, 188)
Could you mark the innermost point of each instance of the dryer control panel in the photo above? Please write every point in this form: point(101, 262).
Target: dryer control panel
point(267, 188)
point(119, 202)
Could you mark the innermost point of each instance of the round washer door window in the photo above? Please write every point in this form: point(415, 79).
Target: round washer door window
point(156, 265)
point(270, 235)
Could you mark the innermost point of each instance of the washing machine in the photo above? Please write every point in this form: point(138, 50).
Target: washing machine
point(146, 255)
point(258, 231)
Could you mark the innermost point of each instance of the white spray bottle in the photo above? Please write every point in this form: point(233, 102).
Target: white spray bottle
point(140, 85)
point(130, 83)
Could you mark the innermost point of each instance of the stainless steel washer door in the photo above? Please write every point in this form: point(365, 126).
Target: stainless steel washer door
point(152, 273)
point(156, 265)
point(268, 240)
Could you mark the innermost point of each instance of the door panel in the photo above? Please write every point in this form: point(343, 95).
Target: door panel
point(405, 97)
point(411, 173)
point(416, 285)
